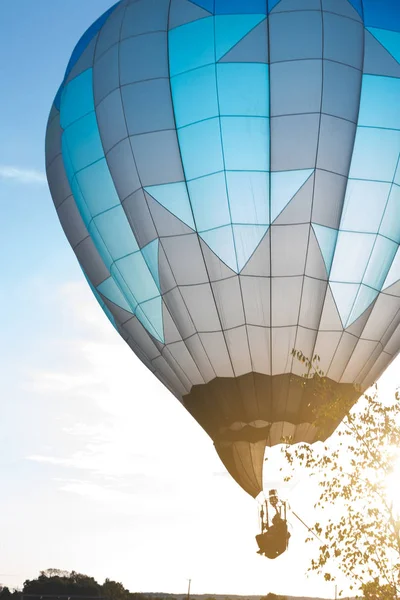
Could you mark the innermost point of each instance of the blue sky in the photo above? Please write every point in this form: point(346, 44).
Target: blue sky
point(102, 471)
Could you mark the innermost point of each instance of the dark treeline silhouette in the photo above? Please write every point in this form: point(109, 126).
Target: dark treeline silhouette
point(54, 584)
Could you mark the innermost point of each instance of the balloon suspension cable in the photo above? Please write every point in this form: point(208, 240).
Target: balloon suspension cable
point(306, 526)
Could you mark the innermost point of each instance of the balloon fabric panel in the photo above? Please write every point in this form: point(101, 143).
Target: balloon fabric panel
point(227, 173)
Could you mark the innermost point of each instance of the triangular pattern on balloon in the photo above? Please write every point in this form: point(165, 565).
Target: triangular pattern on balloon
point(99, 298)
point(167, 279)
point(315, 264)
point(377, 60)
point(183, 12)
point(252, 48)
point(165, 222)
point(174, 197)
point(222, 243)
point(284, 186)
point(365, 297)
point(121, 315)
point(330, 320)
point(259, 264)
point(327, 238)
point(109, 289)
point(344, 295)
point(216, 268)
point(150, 255)
point(247, 239)
point(230, 29)
point(171, 332)
point(389, 40)
point(150, 315)
point(357, 327)
point(299, 208)
point(352, 300)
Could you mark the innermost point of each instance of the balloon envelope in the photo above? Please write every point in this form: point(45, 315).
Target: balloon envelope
point(227, 173)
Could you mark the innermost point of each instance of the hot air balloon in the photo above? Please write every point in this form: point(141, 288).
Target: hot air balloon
point(227, 174)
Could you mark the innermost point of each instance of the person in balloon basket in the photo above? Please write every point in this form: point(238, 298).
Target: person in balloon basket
point(274, 541)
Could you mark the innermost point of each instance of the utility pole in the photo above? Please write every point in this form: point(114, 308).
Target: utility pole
point(188, 594)
point(335, 592)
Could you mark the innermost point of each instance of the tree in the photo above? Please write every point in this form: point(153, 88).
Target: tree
point(113, 590)
point(62, 583)
point(361, 535)
point(272, 596)
point(5, 594)
point(57, 582)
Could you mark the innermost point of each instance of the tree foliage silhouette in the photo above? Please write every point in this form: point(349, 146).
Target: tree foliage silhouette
point(361, 531)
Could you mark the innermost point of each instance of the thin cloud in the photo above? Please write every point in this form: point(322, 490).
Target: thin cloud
point(21, 175)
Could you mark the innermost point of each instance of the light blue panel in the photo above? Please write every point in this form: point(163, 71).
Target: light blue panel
point(97, 187)
point(243, 89)
point(174, 197)
point(380, 105)
point(83, 142)
point(115, 230)
point(111, 291)
point(209, 201)
point(77, 99)
point(201, 148)
point(194, 95)
point(230, 29)
point(137, 276)
point(68, 166)
point(285, 185)
point(327, 238)
point(351, 256)
point(344, 295)
point(380, 262)
point(150, 255)
point(101, 301)
point(394, 272)
point(123, 286)
point(364, 205)
point(375, 155)
point(390, 226)
point(247, 238)
point(100, 245)
point(191, 46)
point(222, 244)
point(389, 39)
point(364, 299)
point(75, 189)
point(248, 196)
point(150, 315)
point(80, 202)
point(245, 143)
